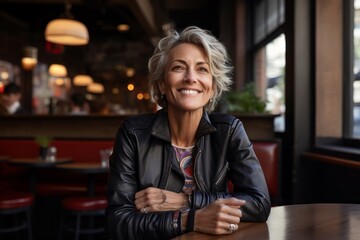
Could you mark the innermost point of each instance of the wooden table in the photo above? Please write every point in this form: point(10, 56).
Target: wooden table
point(33, 164)
point(298, 222)
point(4, 158)
point(90, 169)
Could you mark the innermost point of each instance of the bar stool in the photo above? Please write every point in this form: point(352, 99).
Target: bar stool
point(16, 205)
point(79, 215)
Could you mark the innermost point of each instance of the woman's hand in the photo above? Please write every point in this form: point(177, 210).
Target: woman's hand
point(219, 217)
point(154, 199)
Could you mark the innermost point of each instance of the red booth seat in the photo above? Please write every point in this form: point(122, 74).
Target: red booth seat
point(268, 154)
point(51, 181)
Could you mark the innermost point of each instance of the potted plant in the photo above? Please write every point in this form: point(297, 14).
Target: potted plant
point(44, 143)
point(251, 110)
point(245, 102)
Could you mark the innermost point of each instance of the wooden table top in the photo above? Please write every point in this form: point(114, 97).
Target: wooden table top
point(85, 168)
point(295, 222)
point(37, 162)
point(4, 158)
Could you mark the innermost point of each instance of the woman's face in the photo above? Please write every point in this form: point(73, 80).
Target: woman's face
point(188, 84)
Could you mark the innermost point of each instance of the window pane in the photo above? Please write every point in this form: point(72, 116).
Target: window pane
point(275, 75)
point(356, 85)
point(281, 12)
point(272, 19)
point(270, 78)
point(259, 21)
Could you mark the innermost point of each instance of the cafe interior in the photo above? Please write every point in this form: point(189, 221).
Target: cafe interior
point(298, 60)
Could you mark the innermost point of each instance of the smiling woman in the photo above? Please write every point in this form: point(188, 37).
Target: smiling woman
point(175, 164)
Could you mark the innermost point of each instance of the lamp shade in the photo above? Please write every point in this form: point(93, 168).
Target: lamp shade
point(57, 70)
point(29, 59)
point(95, 88)
point(82, 80)
point(66, 32)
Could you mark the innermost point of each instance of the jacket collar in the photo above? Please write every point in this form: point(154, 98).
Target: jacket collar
point(161, 127)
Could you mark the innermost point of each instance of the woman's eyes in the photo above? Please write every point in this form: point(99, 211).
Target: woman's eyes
point(178, 67)
point(203, 69)
point(200, 69)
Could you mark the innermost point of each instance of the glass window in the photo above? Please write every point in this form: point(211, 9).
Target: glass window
point(272, 13)
point(356, 83)
point(270, 78)
point(269, 57)
point(260, 21)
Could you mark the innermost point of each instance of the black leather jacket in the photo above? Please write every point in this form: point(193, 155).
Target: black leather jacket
point(143, 157)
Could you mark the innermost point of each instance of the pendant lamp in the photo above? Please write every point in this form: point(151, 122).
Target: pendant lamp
point(96, 88)
point(29, 59)
point(66, 30)
point(82, 80)
point(57, 70)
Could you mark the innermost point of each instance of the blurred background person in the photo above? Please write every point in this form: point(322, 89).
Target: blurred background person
point(11, 99)
point(79, 104)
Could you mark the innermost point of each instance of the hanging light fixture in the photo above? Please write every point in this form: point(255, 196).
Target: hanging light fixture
point(57, 70)
point(66, 30)
point(82, 80)
point(29, 59)
point(96, 88)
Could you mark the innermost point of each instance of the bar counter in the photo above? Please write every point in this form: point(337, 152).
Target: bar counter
point(258, 127)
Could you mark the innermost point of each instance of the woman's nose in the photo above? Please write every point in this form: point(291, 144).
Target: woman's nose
point(190, 75)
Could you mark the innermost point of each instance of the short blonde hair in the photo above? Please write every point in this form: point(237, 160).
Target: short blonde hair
point(216, 53)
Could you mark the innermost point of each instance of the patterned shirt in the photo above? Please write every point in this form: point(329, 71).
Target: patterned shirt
point(184, 157)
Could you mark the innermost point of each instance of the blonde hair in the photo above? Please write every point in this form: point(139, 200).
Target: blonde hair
point(216, 53)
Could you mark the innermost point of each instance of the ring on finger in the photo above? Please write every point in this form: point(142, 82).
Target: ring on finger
point(232, 227)
point(144, 210)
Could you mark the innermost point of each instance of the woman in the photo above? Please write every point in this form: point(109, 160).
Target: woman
point(169, 170)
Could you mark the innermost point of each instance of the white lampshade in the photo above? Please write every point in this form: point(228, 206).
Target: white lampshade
point(57, 70)
point(82, 80)
point(66, 32)
point(95, 88)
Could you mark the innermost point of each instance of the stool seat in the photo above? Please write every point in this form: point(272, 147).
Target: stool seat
point(15, 213)
point(82, 215)
point(11, 200)
point(84, 203)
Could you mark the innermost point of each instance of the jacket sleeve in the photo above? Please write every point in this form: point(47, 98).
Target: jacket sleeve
point(246, 174)
point(124, 221)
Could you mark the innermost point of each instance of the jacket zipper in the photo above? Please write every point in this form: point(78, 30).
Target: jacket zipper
point(222, 174)
point(194, 166)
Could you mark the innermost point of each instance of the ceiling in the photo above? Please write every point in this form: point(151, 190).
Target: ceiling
point(109, 50)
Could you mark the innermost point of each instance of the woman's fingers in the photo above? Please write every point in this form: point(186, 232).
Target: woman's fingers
point(149, 198)
point(155, 199)
point(220, 217)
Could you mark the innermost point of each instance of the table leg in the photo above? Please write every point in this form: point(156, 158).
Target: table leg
point(91, 185)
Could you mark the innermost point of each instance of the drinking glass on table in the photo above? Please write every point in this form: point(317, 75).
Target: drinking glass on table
point(104, 155)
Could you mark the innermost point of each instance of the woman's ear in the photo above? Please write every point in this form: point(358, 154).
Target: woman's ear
point(161, 87)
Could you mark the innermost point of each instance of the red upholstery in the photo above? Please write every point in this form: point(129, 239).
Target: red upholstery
point(50, 182)
point(268, 155)
point(82, 150)
point(18, 148)
point(78, 150)
point(82, 210)
point(84, 203)
point(11, 200)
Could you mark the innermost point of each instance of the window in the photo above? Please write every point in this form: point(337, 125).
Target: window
point(356, 82)
point(269, 57)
